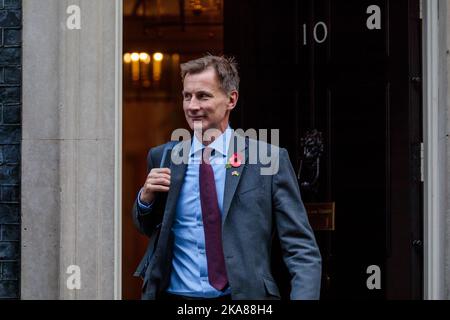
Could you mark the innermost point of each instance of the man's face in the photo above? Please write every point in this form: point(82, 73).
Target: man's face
point(205, 102)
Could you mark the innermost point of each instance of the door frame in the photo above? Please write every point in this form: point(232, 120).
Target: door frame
point(434, 149)
point(434, 155)
point(70, 178)
point(118, 104)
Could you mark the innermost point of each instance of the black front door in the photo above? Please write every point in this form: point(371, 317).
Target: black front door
point(351, 71)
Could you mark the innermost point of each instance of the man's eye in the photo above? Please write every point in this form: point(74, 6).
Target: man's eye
point(187, 97)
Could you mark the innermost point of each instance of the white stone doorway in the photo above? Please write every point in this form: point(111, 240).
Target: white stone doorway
point(71, 149)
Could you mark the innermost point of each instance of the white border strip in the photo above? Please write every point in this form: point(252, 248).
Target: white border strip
point(118, 156)
point(433, 250)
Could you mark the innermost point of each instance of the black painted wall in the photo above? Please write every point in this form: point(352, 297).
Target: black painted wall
point(10, 137)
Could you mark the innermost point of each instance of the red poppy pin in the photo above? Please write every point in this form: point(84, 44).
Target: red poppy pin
point(235, 161)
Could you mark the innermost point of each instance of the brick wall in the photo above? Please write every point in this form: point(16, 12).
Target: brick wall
point(10, 136)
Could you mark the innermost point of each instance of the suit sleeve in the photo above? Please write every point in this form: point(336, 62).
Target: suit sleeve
point(146, 220)
point(300, 251)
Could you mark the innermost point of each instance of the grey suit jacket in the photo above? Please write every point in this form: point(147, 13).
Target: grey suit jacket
point(254, 207)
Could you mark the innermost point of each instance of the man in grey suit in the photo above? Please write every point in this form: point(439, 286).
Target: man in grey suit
point(212, 216)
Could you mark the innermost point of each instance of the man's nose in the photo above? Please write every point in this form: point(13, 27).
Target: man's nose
point(194, 104)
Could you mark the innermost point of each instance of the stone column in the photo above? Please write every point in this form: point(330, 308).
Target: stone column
point(71, 149)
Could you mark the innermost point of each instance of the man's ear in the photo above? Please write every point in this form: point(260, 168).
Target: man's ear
point(233, 99)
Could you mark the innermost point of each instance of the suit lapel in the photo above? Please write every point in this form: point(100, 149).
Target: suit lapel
point(178, 172)
point(176, 180)
point(232, 181)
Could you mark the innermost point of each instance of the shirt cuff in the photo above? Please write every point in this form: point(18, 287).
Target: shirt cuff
point(143, 206)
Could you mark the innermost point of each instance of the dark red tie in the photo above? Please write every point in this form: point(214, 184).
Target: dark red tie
point(212, 224)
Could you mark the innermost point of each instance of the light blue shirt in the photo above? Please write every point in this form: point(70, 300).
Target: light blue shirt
point(189, 275)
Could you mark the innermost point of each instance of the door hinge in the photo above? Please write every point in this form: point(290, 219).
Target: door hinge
point(421, 163)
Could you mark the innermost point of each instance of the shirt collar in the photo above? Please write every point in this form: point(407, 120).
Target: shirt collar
point(220, 144)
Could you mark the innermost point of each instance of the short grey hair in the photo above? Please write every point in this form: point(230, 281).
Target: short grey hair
point(226, 70)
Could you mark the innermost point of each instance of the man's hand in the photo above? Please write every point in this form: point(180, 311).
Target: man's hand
point(158, 180)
